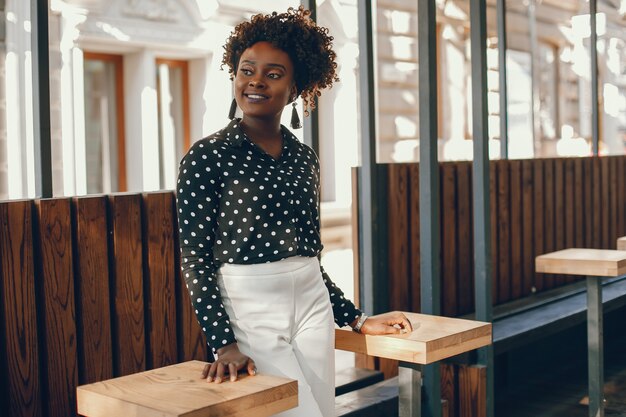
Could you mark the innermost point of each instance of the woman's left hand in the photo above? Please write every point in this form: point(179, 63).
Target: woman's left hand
point(387, 323)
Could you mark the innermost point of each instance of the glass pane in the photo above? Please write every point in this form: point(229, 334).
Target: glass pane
point(100, 126)
point(171, 122)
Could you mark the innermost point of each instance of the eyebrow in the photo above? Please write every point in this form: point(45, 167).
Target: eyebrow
point(247, 61)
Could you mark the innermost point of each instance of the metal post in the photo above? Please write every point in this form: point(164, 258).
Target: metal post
point(410, 387)
point(504, 108)
point(595, 345)
point(372, 259)
point(41, 97)
point(430, 286)
point(595, 116)
point(482, 225)
point(310, 125)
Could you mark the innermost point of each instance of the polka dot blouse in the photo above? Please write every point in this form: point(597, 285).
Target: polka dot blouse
point(236, 204)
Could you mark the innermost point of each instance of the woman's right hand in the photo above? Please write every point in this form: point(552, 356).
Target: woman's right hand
point(229, 360)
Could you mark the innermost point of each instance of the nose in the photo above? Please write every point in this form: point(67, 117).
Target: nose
point(256, 83)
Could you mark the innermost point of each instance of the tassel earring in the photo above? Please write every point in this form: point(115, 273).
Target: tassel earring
point(233, 109)
point(295, 119)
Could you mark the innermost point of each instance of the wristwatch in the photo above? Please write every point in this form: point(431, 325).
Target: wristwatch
point(359, 323)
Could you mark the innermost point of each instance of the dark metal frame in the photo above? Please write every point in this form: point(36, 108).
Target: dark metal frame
point(482, 224)
point(430, 286)
point(41, 98)
point(502, 74)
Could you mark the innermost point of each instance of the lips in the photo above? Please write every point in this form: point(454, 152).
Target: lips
point(255, 96)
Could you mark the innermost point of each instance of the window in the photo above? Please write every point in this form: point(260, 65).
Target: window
point(104, 123)
point(173, 99)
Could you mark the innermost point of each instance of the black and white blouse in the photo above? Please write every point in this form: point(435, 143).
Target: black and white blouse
point(237, 204)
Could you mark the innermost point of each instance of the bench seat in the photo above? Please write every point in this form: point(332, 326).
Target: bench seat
point(380, 399)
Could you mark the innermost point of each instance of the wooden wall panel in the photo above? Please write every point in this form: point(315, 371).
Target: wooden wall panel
point(528, 251)
point(596, 213)
point(579, 204)
point(58, 313)
point(516, 236)
point(398, 237)
point(539, 241)
point(20, 314)
point(465, 253)
point(588, 198)
point(559, 212)
point(472, 391)
point(605, 207)
point(504, 231)
point(621, 197)
point(95, 350)
point(569, 216)
point(127, 285)
point(449, 386)
point(612, 189)
point(191, 341)
point(548, 220)
point(414, 237)
point(447, 203)
point(160, 286)
point(493, 218)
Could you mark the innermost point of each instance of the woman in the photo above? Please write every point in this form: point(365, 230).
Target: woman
point(249, 223)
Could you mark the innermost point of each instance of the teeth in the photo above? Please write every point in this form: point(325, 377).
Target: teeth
point(255, 96)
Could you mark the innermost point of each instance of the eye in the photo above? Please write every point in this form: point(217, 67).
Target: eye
point(246, 71)
point(274, 75)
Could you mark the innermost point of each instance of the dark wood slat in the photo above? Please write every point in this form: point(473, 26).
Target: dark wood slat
point(588, 199)
point(95, 350)
point(472, 391)
point(621, 196)
point(613, 235)
point(549, 220)
point(414, 237)
point(20, 316)
point(579, 204)
point(559, 212)
point(539, 242)
point(58, 313)
point(605, 218)
point(516, 228)
point(569, 183)
point(159, 284)
point(127, 285)
point(465, 248)
point(448, 384)
point(495, 249)
point(597, 203)
point(528, 252)
point(398, 236)
point(504, 232)
point(449, 305)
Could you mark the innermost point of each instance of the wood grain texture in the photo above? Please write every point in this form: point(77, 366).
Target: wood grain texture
point(569, 234)
point(449, 288)
point(559, 212)
point(504, 232)
point(588, 200)
point(528, 252)
point(95, 349)
point(160, 279)
point(579, 204)
point(493, 218)
point(398, 236)
point(465, 231)
point(434, 338)
point(539, 242)
point(597, 204)
point(19, 303)
point(606, 238)
point(621, 196)
point(472, 391)
point(621, 243)
point(589, 262)
point(58, 309)
point(613, 196)
point(549, 220)
point(178, 390)
point(449, 385)
point(127, 285)
point(515, 181)
point(414, 236)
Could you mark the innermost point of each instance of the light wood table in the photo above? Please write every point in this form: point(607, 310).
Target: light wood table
point(594, 264)
point(433, 338)
point(178, 390)
point(621, 243)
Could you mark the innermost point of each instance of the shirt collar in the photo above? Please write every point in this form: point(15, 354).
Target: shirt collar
point(236, 136)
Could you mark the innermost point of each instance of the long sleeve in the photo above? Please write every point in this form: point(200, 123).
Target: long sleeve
point(344, 310)
point(198, 196)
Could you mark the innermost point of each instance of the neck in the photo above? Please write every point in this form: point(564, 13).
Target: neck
point(261, 129)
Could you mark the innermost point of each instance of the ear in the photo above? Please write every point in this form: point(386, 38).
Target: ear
point(293, 95)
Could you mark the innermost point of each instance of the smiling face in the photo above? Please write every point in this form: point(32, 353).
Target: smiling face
point(264, 82)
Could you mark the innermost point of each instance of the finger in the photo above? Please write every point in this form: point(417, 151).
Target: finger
point(406, 324)
point(205, 370)
point(251, 367)
point(232, 370)
point(212, 372)
point(219, 376)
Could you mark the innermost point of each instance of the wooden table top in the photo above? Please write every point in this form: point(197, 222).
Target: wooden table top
point(433, 338)
point(179, 390)
point(621, 243)
point(589, 262)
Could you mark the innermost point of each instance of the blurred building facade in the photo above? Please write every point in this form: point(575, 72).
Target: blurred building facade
point(135, 82)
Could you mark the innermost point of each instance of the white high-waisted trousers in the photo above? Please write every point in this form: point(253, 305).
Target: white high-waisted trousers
point(282, 318)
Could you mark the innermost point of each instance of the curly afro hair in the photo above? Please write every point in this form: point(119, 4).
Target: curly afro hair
point(309, 47)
